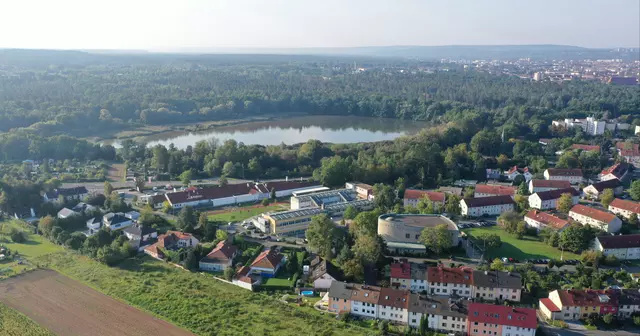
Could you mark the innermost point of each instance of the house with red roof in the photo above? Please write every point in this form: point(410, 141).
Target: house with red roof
point(487, 319)
point(488, 190)
point(220, 258)
point(624, 208)
point(575, 304)
point(630, 152)
point(544, 200)
point(447, 281)
point(267, 263)
point(573, 176)
point(597, 218)
point(242, 278)
point(413, 196)
point(172, 240)
point(401, 274)
point(588, 148)
point(543, 220)
point(617, 171)
point(515, 171)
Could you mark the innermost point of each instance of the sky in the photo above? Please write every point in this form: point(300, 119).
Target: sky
point(207, 25)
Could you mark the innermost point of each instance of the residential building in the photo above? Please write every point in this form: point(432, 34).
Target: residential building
point(243, 279)
point(220, 258)
point(573, 176)
point(543, 220)
point(339, 297)
point(630, 152)
point(493, 174)
point(588, 148)
point(488, 190)
point(628, 303)
point(600, 219)
point(267, 263)
point(116, 221)
point(172, 240)
point(364, 300)
point(94, 224)
point(623, 247)
point(155, 201)
point(594, 191)
point(413, 196)
point(363, 190)
point(546, 185)
point(67, 213)
point(617, 171)
point(84, 208)
point(419, 282)
point(69, 194)
point(492, 285)
point(487, 319)
point(443, 314)
point(323, 273)
point(544, 200)
point(402, 232)
point(450, 281)
point(624, 208)
point(451, 190)
point(393, 305)
point(490, 206)
point(575, 304)
point(515, 171)
point(589, 125)
point(400, 274)
point(133, 215)
point(140, 236)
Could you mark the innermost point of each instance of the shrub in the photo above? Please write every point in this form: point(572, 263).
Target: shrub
point(18, 236)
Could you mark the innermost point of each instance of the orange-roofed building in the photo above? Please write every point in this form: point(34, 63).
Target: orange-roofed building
point(488, 190)
point(267, 263)
point(624, 208)
point(413, 196)
point(597, 218)
point(447, 281)
point(541, 220)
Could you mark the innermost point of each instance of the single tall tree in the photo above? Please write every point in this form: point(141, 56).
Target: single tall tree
point(565, 203)
point(108, 188)
point(436, 239)
point(607, 197)
point(320, 235)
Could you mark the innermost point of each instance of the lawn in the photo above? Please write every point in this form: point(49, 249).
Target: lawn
point(242, 213)
point(527, 248)
point(279, 281)
point(35, 245)
point(199, 303)
point(13, 323)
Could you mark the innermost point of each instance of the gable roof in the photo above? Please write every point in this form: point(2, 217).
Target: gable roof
point(550, 305)
point(488, 201)
point(115, 218)
point(618, 170)
point(547, 219)
point(519, 170)
point(497, 279)
point(365, 293)
point(557, 184)
point(320, 266)
point(434, 305)
point(458, 275)
point(171, 238)
point(590, 148)
point(66, 212)
point(503, 315)
point(625, 205)
point(434, 196)
point(138, 230)
point(268, 259)
point(401, 270)
point(340, 290)
point(495, 189)
point(608, 184)
point(620, 241)
point(633, 151)
point(222, 253)
point(587, 297)
point(241, 274)
point(564, 172)
point(394, 298)
point(556, 193)
point(66, 192)
point(599, 215)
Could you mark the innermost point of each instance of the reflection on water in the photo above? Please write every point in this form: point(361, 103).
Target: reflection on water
point(334, 129)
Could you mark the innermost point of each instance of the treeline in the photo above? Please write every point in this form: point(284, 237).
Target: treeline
point(83, 96)
point(22, 145)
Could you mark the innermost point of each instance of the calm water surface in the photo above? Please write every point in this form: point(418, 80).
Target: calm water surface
point(334, 129)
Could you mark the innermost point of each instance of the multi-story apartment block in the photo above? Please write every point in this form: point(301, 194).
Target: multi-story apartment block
point(487, 190)
point(486, 319)
point(413, 196)
point(542, 220)
point(492, 285)
point(393, 305)
point(401, 275)
point(600, 219)
point(573, 176)
point(544, 200)
point(492, 205)
point(448, 281)
point(443, 314)
point(623, 247)
point(578, 304)
point(624, 208)
point(595, 190)
point(546, 185)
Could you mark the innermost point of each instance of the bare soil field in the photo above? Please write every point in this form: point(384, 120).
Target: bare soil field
point(117, 172)
point(67, 307)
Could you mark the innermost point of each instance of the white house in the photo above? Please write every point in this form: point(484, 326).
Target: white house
point(76, 193)
point(94, 224)
point(617, 171)
point(413, 196)
point(623, 247)
point(447, 281)
point(67, 213)
point(541, 220)
point(220, 258)
point(546, 185)
point(393, 305)
point(443, 314)
point(515, 171)
point(549, 199)
point(595, 190)
point(267, 263)
point(140, 236)
point(116, 221)
point(364, 300)
point(487, 190)
point(624, 208)
point(573, 176)
point(602, 220)
point(490, 206)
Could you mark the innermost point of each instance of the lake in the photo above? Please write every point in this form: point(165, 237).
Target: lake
point(334, 129)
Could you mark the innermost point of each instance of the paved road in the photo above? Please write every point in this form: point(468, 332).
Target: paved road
point(551, 331)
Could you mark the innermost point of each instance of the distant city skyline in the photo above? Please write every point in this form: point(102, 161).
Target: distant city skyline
point(210, 25)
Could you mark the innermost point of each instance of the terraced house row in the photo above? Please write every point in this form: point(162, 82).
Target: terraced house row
point(461, 281)
point(574, 304)
point(444, 314)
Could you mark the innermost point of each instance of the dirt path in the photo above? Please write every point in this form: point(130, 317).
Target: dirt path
point(67, 307)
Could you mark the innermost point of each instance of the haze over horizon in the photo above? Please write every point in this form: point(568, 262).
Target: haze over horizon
point(201, 25)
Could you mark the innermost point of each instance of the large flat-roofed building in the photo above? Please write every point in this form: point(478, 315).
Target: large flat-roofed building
point(324, 198)
point(291, 223)
point(402, 232)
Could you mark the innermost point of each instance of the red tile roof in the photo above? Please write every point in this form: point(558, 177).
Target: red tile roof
point(516, 169)
point(625, 205)
point(268, 259)
point(488, 201)
point(550, 305)
point(618, 169)
point(241, 274)
point(495, 189)
point(591, 148)
point(284, 185)
point(461, 275)
point(365, 293)
point(434, 196)
point(547, 219)
point(564, 172)
point(620, 241)
point(587, 297)
point(503, 315)
point(557, 184)
point(229, 190)
point(223, 252)
point(625, 151)
point(394, 298)
point(599, 215)
point(401, 270)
